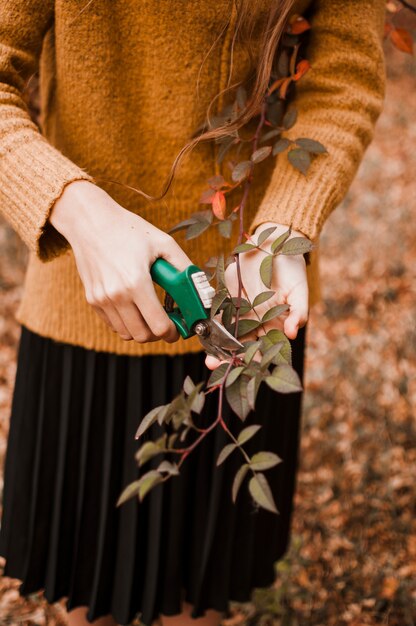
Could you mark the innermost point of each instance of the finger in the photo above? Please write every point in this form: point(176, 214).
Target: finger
point(293, 322)
point(154, 314)
point(104, 317)
point(177, 258)
point(116, 322)
point(135, 323)
point(212, 362)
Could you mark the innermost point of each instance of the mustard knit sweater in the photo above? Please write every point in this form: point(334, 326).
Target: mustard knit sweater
point(119, 100)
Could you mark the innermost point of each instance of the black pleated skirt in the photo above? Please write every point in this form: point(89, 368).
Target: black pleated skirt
point(70, 453)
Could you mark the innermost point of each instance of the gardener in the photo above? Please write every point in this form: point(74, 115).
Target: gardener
point(124, 86)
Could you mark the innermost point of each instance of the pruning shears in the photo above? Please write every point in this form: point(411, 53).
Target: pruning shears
point(193, 295)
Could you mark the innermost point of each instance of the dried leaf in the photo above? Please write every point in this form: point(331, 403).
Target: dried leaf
point(198, 403)
point(171, 468)
point(219, 205)
point(148, 481)
point(301, 69)
point(402, 39)
point(128, 492)
point(266, 270)
point(207, 196)
point(216, 182)
point(146, 452)
point(261, 492)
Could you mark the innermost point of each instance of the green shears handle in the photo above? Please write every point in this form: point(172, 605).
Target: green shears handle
point(180, 286)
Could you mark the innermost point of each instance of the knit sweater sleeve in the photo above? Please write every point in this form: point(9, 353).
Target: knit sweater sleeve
point(338, 102)
point(33, 173)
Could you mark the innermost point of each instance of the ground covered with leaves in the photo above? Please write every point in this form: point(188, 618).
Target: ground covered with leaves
point(352, 559)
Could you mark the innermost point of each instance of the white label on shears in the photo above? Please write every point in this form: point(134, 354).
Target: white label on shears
point(204, 289)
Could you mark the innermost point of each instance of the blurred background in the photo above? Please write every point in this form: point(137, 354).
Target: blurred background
point(352, 560)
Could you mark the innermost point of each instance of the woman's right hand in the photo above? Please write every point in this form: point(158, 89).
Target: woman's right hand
point(114, 250)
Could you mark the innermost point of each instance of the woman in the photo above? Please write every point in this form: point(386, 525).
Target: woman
point(123, 87)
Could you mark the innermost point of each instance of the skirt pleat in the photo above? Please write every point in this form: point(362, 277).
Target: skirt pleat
point(70, 453)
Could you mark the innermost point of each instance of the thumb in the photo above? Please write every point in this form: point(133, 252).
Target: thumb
point(177, 257)
point(212, 362)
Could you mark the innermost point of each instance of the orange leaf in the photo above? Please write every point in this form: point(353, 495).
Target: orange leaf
point(219, 205)
point(402, 39)
point(277, 83)
point(298, 25)
point(301, 69)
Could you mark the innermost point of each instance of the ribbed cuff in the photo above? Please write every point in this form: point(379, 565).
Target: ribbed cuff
point(305, 202)
point(33, 176)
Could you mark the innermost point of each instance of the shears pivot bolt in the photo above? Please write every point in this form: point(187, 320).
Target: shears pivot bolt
point(202, 329)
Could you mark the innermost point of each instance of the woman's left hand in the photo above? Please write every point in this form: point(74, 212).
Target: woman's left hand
point(289, 283)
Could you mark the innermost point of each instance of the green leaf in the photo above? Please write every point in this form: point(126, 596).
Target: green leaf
point(183, 224)
point(146, 452)
point(217, 301)
point(188, 385)
point(246, 326)
point(197, 229)
point(300, 159)
point(278, 243)
point(264, 460)
point(311, 145)
point(217, 375)
point(275, 311)
point(128, 492)
point(245, 305)
point(241, 171)
point(227, 316)
point(261, 492)
point(236, 397)
point(270, 354)
point(262, 297)
point(243, 247)
point(220, 270)
point(225, 228)
point(290, 118)
point(284, 379)
point(238, 479)
point(251, 351)
point(265, 234)
point(266, 270)
point(233, 375)
point(198, 403)
point(248, 433)
point(225, 452)
point(148, 420)
point(297, 245)
point(261, 154)
point(148, 481)
point(216, 182)
point(270, 135)
point(281, 145)
point(252, 390)
point(225, 145)
point(273, 337)
point(171, 468)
